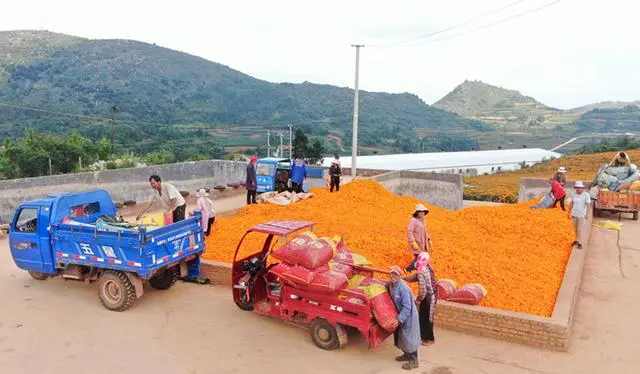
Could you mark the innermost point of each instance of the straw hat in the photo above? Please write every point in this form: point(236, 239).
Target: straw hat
point(202, 193)
point(421, 208)
point(578, 184)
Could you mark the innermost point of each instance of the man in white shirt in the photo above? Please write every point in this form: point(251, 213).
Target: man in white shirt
point(578, 211)
point(168, 196)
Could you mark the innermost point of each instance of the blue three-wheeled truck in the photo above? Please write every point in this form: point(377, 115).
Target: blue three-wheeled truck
point(66, 235)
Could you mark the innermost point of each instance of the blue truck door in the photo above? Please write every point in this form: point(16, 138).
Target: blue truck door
point(25, 241)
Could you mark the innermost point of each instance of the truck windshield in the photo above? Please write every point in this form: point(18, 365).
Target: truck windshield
point(27, 220)
point(266, 169)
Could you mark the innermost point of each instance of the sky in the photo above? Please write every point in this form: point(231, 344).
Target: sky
point(572, 53)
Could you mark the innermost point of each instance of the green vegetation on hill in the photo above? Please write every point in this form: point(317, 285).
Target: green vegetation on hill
point(625, 143)
point(625, 119)
point(24, 47)
point(606, 105)
point(164, 96)
point(507, 109)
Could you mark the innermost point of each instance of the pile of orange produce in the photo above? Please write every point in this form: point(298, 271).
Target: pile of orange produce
point(504, 187)
point(517, 253)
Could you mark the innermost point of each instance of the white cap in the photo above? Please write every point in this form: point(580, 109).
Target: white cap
point(202, 193)
point(562, 170)
point(578, 184)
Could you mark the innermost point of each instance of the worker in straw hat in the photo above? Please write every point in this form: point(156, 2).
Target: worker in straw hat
point(561, 176)
point(578, 211)
point(204, 205)
point(407, 335)
point(418, 236)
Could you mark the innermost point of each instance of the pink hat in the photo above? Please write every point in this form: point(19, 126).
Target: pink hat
point(253, 158)
point(422, 261)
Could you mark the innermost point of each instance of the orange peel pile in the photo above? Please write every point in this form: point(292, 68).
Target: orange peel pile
point(518, 254)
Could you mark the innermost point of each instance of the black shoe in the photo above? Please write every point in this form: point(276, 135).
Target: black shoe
point(579, 246)
point(404, 357)
point(574, 243)
point(412, 364)
point(195, 280)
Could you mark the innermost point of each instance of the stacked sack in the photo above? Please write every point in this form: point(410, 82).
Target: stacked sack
point(375, 290)
point(326, 265)
point(471, 294)
point(305, 262)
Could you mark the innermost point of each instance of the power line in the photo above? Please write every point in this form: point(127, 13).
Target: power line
point(488, 25)
point(463, 23)
point(425, 38)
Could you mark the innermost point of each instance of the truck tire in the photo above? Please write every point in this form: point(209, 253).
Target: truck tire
point(635, 216)
point(324, 335)
point(116, 291)
point(247, 307)
point(38, 276)
point(164, 279)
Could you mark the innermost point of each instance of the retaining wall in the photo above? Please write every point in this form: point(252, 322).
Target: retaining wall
point(443, 190)
point(551, 333)
point(122, 184)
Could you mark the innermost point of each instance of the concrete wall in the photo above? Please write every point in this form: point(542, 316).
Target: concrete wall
point(443, 190)
point(122, 184)
point(531, 188)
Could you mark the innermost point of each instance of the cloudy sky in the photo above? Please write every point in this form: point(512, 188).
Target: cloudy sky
point(572, 53)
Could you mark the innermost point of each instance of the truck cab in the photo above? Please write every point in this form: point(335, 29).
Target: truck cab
point(273, 174)
point(76, 236)
point(29, 239)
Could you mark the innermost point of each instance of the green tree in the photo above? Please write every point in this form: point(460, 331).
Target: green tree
point(159, 158)
point(316, 151)
point(300, 144)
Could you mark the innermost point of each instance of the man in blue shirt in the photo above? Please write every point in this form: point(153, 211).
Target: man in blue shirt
point(298, 174)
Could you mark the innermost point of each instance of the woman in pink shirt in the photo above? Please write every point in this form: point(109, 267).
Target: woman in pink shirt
point(205, 206)
point(418, 236)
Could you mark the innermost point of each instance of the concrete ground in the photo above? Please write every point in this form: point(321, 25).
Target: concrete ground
point(55, 326)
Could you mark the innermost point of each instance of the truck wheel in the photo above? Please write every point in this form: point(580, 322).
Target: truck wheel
point(635, 216)
point(116, 291)
point(324, 335)
point(38, 276)
point(247, 307)
point(164, 279)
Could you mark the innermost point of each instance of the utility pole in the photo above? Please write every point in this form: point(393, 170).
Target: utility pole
point(290, 142)
point(113, 127)
point(356, 102)
point(268, 143)
point(281, 153)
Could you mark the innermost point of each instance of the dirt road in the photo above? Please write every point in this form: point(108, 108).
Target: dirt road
point(60, 327)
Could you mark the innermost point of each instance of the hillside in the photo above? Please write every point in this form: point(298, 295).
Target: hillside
point(163, 87)
point(507, 109)
point(606, 105)
point(613, 120)
point(24, 47)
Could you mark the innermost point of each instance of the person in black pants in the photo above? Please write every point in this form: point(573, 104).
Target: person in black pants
point(334, 174)
point(251, 183)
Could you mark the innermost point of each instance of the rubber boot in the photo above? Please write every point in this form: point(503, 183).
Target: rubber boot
point(412, 364)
